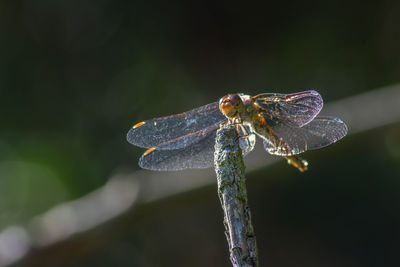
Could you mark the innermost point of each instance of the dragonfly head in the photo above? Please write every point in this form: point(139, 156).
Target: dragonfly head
point(231, 105)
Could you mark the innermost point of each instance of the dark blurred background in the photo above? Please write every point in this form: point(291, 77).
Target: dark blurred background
point(76, 75)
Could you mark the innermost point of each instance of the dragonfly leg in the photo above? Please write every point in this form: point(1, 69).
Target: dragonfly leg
point(235, 121)
point(240, 128)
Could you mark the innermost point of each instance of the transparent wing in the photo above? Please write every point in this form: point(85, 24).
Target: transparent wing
point(318, 133)
point(152, 133)
point(187, 140)
point(199, 154)
point(296, 109)
point(196, 155)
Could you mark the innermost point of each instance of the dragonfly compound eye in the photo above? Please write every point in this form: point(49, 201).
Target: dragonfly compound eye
point(230, 105)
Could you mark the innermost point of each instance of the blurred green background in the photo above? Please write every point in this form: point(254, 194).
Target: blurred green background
point(76, 75)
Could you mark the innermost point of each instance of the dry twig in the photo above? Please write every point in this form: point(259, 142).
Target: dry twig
point(232, 193)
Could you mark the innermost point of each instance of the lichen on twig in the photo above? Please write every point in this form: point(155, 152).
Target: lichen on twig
point(232, 193)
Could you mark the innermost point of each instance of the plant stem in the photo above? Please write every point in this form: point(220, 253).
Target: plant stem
point(232, 193)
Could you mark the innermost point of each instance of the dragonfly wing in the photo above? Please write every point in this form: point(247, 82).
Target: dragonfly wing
point(296, 109)
point(318, 133)
point(195, 155)
point(199, 154)
point(152, 133)
point(187, 140)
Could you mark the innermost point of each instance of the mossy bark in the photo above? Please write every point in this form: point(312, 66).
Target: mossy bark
point(232, 193)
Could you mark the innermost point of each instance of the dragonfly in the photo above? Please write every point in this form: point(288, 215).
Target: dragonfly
point(288, 124)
